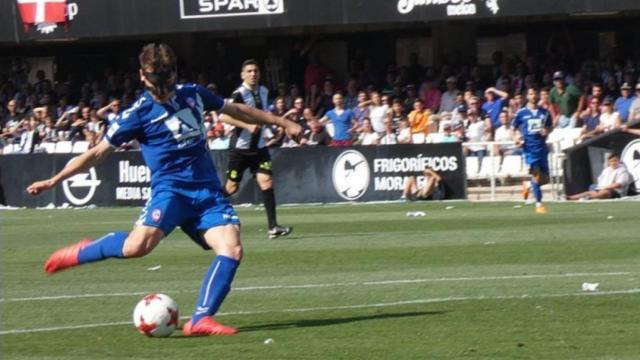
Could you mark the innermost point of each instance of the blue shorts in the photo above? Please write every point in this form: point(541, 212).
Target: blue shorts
point(192, 210)
point(538, 163)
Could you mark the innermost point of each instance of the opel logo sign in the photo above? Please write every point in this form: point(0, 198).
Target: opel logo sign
point(80, 188)
point(351, 175)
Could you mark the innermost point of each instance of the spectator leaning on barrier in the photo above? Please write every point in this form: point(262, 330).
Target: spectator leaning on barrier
point(567, 98)
point(318, 135)
point(389, 136)
point(503, 134)
point(419, 122)
point(368, 136)
point(609, 119)
point(613, 182)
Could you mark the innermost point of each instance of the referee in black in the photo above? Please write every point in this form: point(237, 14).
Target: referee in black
point(248, 146)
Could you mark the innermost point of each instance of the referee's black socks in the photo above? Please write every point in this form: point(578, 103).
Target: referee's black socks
point(269, 199)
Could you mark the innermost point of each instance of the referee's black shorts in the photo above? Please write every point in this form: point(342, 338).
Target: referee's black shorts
point(258, 161)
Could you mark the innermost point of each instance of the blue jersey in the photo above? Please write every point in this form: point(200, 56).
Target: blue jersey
point(530, 123)
point(171, 136)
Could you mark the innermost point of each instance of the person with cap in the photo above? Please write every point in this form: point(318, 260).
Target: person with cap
point(448, 98)
point(634, 109)
point(567, 98)
point(623, 103)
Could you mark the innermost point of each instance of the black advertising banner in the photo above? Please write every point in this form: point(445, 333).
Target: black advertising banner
point(27, 20)
point(309, 175)
point(585, 162)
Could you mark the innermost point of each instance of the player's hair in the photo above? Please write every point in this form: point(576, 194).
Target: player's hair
point(249, 62)
point(157, 58)
point(613, 156)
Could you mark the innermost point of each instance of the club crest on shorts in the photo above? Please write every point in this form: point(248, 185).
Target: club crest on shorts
point(156, 215)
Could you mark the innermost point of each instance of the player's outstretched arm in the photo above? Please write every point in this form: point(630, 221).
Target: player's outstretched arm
point(250, 115)
point(85, 161)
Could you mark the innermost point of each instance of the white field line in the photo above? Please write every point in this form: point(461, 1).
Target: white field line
point(345, 307)
point(313, 286)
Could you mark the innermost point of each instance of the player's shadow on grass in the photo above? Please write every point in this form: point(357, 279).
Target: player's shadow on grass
point(336, 321)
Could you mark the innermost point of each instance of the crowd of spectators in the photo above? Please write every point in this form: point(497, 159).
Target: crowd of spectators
point(394, 105)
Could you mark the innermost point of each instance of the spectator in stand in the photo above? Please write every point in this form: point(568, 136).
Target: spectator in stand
point(503, 134)
point(568, 99)
point(477, 131)
point(95, 126)
point(389, 137)
point(78, 126)
point(591, 120)
point(50, 134)
point(596, 92)
point(325, 101)
point(343, 121)
point(279, 107)
point(544, 102)
point(397, 113)
point(613, 182)
point(430, 96)
point(612, 90)
point(448, 98)
point(634, 110)
point(609, 119)
point(495, 102)
point(283, 92)
point(377, 112)
point(419, 122)
point(623, 103)
point(13, 116)
point(515, 104)
point(362, 110)
point(316, 72)
point(351, 100)
point(110, 111)
point(30, 137)
point(312, 98)
point(218, 139)
point(296, 114)
point(368, 136)
point(404, 132)
point(410, 98)
point(318, 134)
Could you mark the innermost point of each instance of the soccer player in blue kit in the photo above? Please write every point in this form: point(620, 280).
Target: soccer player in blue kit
point(186, 191)
point(534, 124)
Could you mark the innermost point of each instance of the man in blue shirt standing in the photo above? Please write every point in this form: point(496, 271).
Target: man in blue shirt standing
point(494, 104)
point(185, 189)
point(343, 120)
point(534, 124)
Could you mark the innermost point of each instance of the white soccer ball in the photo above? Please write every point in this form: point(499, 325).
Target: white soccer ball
point(156, 315)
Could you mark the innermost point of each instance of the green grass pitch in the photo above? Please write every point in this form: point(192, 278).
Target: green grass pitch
point(476, 281)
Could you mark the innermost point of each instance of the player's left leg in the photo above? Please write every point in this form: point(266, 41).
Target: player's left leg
point(264, 178)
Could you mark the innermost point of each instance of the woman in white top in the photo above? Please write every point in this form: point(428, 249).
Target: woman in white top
point(609, 119)
point(377, 112)
point(368, 136)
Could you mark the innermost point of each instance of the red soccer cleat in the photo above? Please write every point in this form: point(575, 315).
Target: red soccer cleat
point(207, 327)
point(65, 257)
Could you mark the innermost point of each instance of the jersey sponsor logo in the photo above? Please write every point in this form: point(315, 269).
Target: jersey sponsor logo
point(45, 15)
point(80, 188)
point(453, 7)
point(631, 158)
point(195, 9)
point(351, 175)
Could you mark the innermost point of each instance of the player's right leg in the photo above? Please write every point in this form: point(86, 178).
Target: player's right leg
point(163, 212)
point(139, 242)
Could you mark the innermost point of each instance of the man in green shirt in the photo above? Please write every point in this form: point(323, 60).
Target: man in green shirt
point(567, 101)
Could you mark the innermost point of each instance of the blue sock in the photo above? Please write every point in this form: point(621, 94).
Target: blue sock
point(215, 287)
point(108, 246)
point(537, 192)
